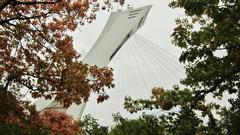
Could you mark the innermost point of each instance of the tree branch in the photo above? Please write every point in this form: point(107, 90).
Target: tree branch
point(201, 94)
point(10, 78)
point(22, 18)
point(39, 77)
point(5, 4)
point(36, 2)
point(16, 2)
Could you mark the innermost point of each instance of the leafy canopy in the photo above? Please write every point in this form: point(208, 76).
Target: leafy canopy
point(37, 56)
point(37, 51)
point(90, 126)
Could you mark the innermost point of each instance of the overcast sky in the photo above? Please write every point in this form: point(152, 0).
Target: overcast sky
point(131, 78)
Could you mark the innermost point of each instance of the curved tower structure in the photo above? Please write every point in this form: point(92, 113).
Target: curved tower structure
point(120, 26)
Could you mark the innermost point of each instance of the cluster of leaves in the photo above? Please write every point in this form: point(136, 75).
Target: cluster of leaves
point(60, 123)
point(90, 126)
point(145, 125)
point(177, 116)
point(210, 51)
point(160, 98)
point(209, 37)
point(14, 119)
point(230, 118)
point(21, 118)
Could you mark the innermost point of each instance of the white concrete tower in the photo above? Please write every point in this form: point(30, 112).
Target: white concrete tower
point(120, 26)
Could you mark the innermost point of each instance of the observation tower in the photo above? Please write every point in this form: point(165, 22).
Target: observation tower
point(120, 26)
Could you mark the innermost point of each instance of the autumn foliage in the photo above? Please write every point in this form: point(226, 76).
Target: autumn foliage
point(18, 117)
point(60, 123)
point(37, 54)
point(14, 116)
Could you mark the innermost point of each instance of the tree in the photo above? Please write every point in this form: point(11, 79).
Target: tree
point(209, 37)
point(91, 126)
point(207, 70)
point(177, 116)
point(19, 117)
point(37, 54)
point(218, 32)
point(145, 125)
